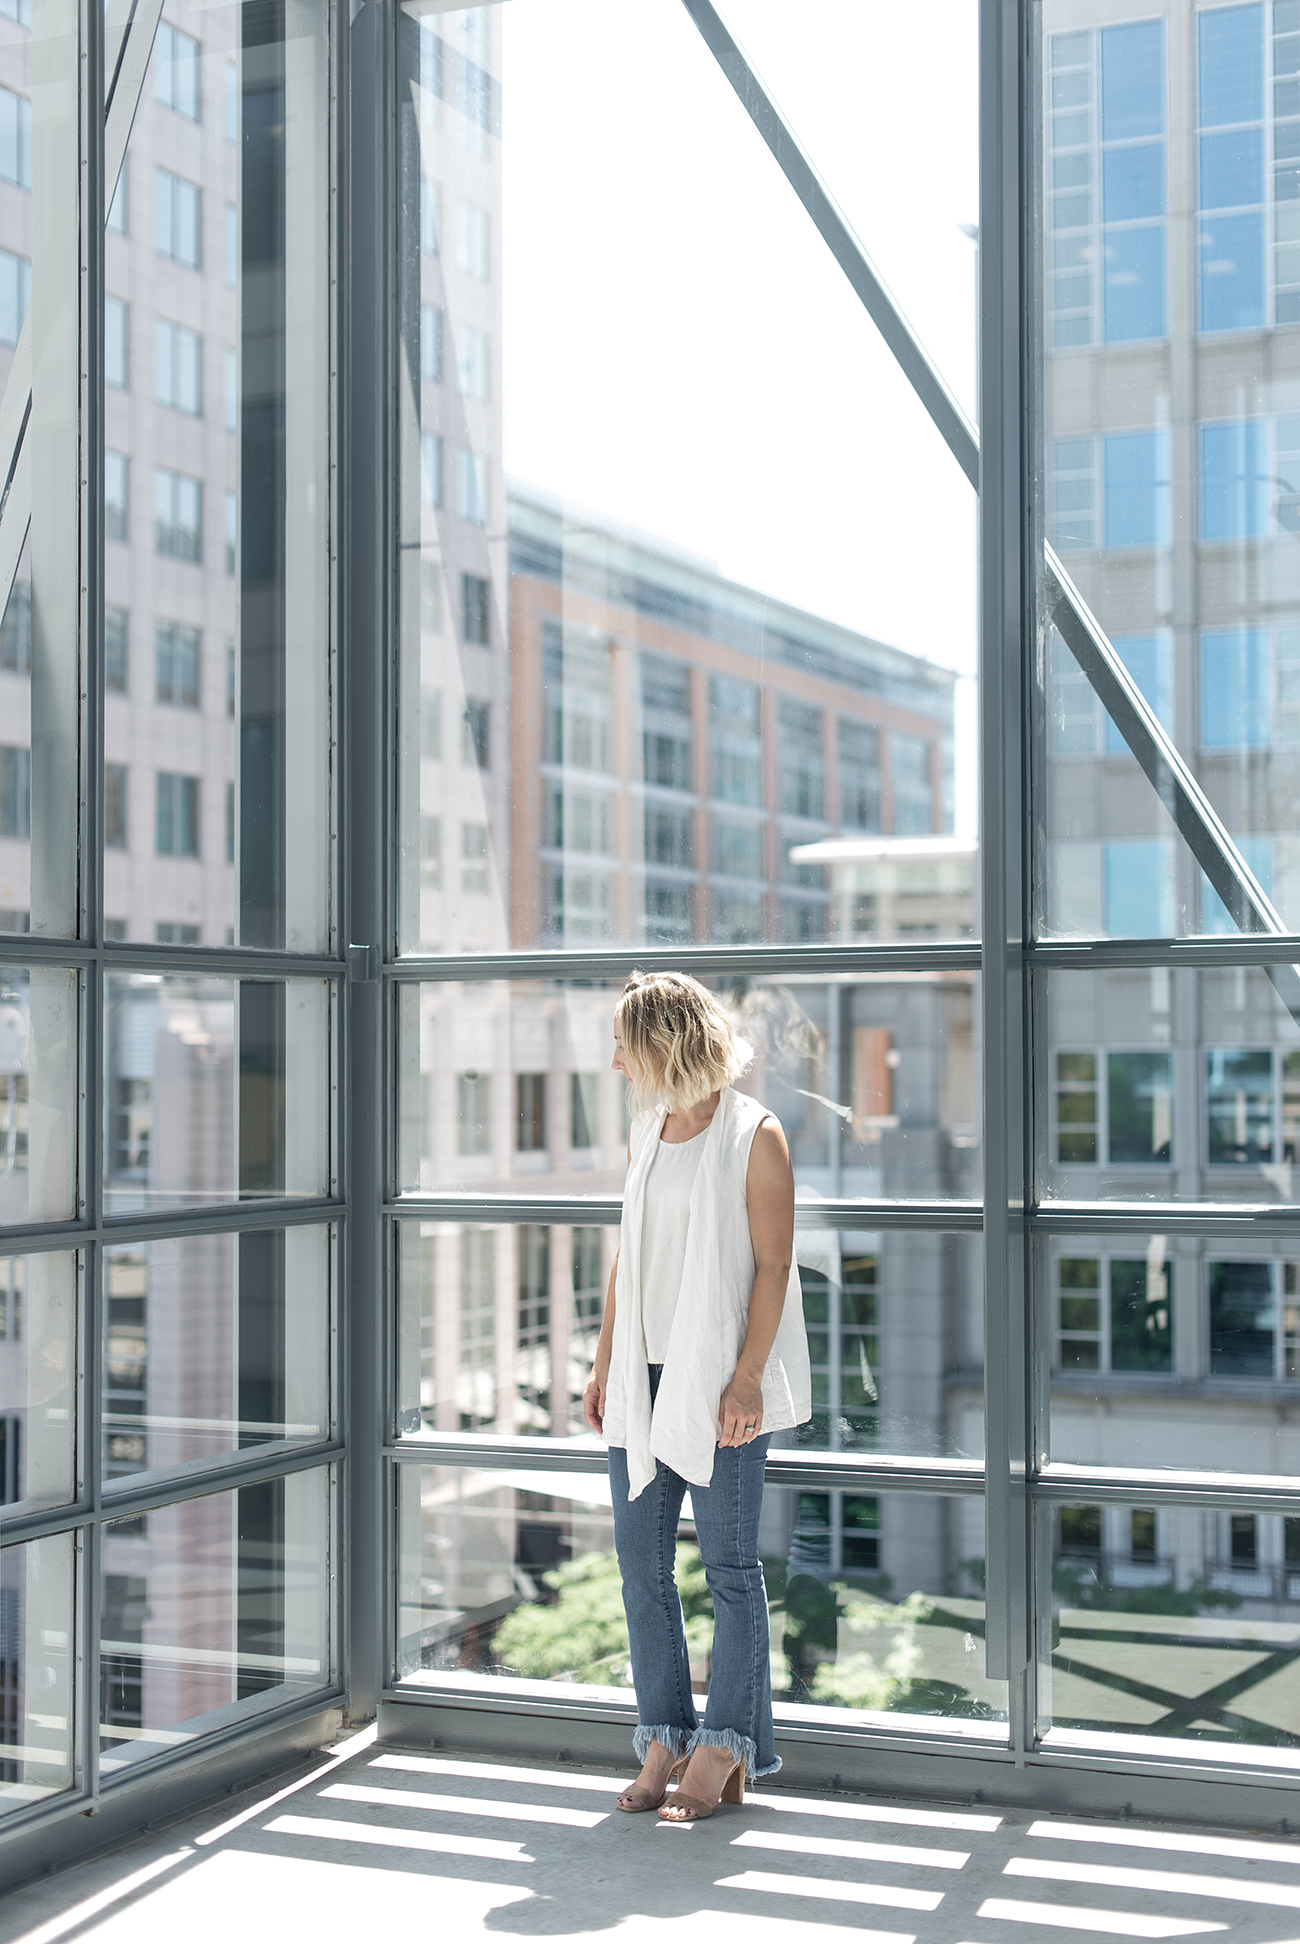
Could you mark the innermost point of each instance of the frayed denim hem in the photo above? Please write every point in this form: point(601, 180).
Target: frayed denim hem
point(673, 1739)
point(741, 1748)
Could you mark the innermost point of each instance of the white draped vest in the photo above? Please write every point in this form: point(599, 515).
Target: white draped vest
point(712, 1314)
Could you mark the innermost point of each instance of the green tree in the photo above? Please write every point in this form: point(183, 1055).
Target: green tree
point(582, 1634)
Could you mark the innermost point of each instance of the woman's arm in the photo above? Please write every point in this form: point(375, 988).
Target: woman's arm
point(593, 1397)
point(769, 1196)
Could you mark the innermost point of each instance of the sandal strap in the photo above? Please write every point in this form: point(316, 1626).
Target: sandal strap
point(697, 1809)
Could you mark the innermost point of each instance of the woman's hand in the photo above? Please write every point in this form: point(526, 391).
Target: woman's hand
point(740, 1414)
point(593, 1400)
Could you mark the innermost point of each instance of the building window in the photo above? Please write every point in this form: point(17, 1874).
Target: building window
point(1243, 1324)
point(177, 821)
point(666, 721)
point(474, 749)
point(533, 1344)
point(431, 724)
point(584, 1096)
point(1236, 480)
point(802, 922)
point(230, 389)
point(232, 678)
point(177, 218)
point(736, 739)
point(431, 853)
point(667, 912)
point(15, 792)
point(472, 358)
point(576, 903)
point(231, 523)
point(16, 295)
point(1231, 165)
point(474, 857)
point(177, 368)
point(737, 919)
point(1239, 1106)
point(230, 823)
point(430, 216)
point(117, 357)
point(737, 848)
point(577, 820)
point(430, 344)
point(530, 1112)
point(473, 1113)
point(1136, 468)
point(1107, 184)
point(230, 245)
point(913, 793)
point(576, 696)
point(117, 508)
point(1138, 888)
point(1114, 1313)
point(472, 241)
point(668, 837)
point(801, 759)
point(476, 1385)
point(178, 516)
point(115, 805)
point(431, 469)
point(176, 71)
point(15, 138)
point(176, 662)
point(859, 770)
point(1139, 1109)
point(474, 610)
point(16, 630)
point(1236, 689)
point(1078, 1119)
point(1074, 495)
point(472, 470)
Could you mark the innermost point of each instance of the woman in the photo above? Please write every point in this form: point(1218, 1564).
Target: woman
point(702, 1356)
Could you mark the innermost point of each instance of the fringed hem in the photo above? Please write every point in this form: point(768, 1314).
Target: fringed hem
point(741, 1748)
point(771, 1769)
point(673, 1739)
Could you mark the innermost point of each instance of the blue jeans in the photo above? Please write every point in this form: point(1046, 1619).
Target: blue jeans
point(739, 1711)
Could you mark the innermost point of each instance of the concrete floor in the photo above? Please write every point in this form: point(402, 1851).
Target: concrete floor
point(383, 1843)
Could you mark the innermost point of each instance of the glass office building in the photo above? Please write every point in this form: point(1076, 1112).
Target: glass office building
point(475, 520)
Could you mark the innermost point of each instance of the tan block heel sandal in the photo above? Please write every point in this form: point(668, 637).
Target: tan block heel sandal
point(687, 1808)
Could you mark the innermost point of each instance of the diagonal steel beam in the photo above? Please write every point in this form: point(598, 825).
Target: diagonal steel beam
point(1195, 817)
point(130, 30)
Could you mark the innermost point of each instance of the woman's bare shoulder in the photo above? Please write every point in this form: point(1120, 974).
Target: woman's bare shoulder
point(769, 1146)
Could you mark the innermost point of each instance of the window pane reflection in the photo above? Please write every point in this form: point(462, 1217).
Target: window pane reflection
point(507, 1086)
point(38, 1356)
point(1176, 1624)
point(212, 1611)
point(37, 1660)
point(1173, 1351)
point(214, 1344)
point(876, 1601)
point(215, 1089)
point(631, 710)
point(39, 1066)
point(498, 1328)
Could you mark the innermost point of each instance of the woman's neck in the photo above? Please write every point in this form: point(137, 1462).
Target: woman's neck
point(692, 1120)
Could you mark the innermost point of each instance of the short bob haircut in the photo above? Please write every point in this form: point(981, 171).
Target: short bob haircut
point(679, 1043)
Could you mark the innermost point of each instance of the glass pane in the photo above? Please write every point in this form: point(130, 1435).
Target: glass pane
point(216, 556)
point(214, 1344)
point(1173, 1351)
point(215, 1089)
point(38, 1608)
point(1172, 491)
point(39, 1069)
point(876, 1601)
point(498, 1328)
point(213, 1611)
point(1176, 1624)
point(654, 695)
point(38, 1379)
point(1168, 1086)
point(507, 1086)
point(42, 773)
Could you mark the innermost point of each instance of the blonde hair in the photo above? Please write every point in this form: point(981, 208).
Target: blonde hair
point(678, 1040)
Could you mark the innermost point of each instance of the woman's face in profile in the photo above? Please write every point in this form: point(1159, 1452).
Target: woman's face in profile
point(619, 1061)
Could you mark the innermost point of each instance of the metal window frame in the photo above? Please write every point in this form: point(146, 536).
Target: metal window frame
point(115, 44)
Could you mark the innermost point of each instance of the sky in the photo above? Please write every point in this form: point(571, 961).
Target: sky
point(682, 352)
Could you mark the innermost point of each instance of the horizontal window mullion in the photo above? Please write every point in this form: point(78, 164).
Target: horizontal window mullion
point(172, 1488)
point(229, 961)
point(20, 1527)
point(223, 1218)
point(1218, 1220)
point(823, 1471)
point(745, 961)
point(1089, 1485)
point(1258, 948)
point(606, 1211)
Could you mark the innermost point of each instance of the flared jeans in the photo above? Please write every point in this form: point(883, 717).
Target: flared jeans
point(739, 1711)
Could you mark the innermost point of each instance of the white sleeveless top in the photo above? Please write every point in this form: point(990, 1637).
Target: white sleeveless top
point(712, 1313)
point(665, 1221)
